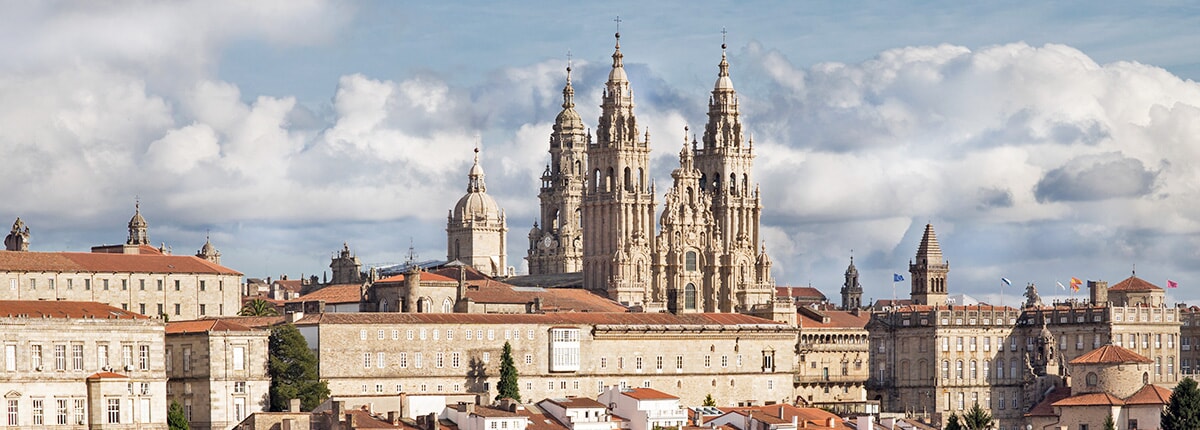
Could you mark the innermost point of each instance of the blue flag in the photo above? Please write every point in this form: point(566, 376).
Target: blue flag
point(896, 277)
point(1006, 281)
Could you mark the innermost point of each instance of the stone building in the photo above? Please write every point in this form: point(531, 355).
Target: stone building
point(217, 370)
point(832, 359)
point(134, 276)
point(738, 359)
point(598, 209)
point(933, 359)
point(852, 291)
point(1189, 340)
point(62, 367)
point(476, 231)
point(1109, 381)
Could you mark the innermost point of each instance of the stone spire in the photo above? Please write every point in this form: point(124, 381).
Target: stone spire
point(928, 272)
point(475, 177)
point(851, 289)
point(18, 238)
point(138, 229)
point(555, 244)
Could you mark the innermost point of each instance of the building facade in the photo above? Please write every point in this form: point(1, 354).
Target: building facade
point(217, 370)
point(738, 359)
point(832, 364)
point(63, 367)
point(556, 243)
point(135, 277)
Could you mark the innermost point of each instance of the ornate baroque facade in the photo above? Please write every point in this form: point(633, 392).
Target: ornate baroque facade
point(706, 256)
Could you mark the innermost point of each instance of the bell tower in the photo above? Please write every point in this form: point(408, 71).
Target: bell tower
point(851, 290)
point(556, 243)
point(929, 272)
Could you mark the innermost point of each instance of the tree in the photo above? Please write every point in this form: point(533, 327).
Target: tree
point(258, 308)
point(976, 418)
point(508, 385)
point(293, 370)
point(709, 400)
point(1109, 424)
point(1184, 410)
point(176, 419)
point(952, 423)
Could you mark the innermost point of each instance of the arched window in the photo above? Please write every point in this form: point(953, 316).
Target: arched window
point(1145, 378)
point(732, 183)
point(689, 296)
point(716, 183)
point(628, 180)
point(596, 181)
point(958, 369)
point(578, 168)
point(457, 250)
point(1012, 369)
point(703, 182)
point(610, 181)
point(554, 221)
point(641, 178)
point(945, 369)
point(987, 370)
point(1092, 379)
point(689, 261)
point(447, 306)
point(974, 370)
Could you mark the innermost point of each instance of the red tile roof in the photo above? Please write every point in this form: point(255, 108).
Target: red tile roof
point(541, 421)
point(1046, 408)
point(800, 293)
point(1110, 354)
point(490, 412)
point(107, 375)
point(837, 319)
point(576, 402)
point(594, 318)
point(814, 417)
point(204, 326)
point(253, 322)
point(333, 294)
point(98, 262)
point(1090, 399)
point(1134, 283)
point(1150, 394)
point(648, 394)
point(64, 309)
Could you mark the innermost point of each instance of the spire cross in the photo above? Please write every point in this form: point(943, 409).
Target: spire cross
point(723, 34)
point(618, 21)
point(568, 59)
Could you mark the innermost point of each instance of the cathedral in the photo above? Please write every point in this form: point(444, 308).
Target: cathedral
point(476, 230)
point(598, 208)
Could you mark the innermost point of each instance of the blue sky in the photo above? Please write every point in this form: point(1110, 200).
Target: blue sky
point(1043, 140)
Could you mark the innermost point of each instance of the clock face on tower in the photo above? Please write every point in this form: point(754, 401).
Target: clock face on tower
point(546, 241)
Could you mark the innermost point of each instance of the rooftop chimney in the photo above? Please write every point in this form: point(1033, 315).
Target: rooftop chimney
point(294, 405)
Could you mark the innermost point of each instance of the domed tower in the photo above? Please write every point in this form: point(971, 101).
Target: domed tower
point(928, 272)
point(209, 252)
point(851, 290)
point(475, 229)
point(18, 238)
point(618, 200)
point(138, 229)
point(556, 243)
point(345, 266)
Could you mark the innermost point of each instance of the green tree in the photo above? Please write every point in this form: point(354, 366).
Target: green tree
point(709, 400)
point(176, 419)
point(258, 308)
point(293, 370)
point(508, 385)
point(976, 418)
point(1109, 424)
point(952, 423)
point(1184, 410)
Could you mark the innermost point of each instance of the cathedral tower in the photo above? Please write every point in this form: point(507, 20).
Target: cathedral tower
point(346, 267)
point(476, 232)
point(851, 290)
point(556, 244)
point(618, 200)
point(928, 273)
point(138, 229)
point(683, 262)
point(725, 161)
point(209, 252)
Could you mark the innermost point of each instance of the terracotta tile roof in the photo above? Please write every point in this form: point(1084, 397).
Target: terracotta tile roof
point(648, 394)
point(425, 276)
point(1134, 283)
point(1045, 408)
point(490, 412)
point(253, 322)
point(592, 318)
point(204, 326)
point(98, 262)
point(337, 293)
point(541, 421)
point(107, 375)
point(364, 420)
point(893, 303)
point(577, 300)
point(1090, 399)
point(576, 402)
point(814, 417)
point(809, 293)
point(1110, 354)
point(64, 309)
point(293, 285)
point(1150, 394)
point(837, 319)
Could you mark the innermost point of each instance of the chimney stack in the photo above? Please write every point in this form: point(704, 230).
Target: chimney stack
point(1099, 292)
point(339, 406)
point(294, 405)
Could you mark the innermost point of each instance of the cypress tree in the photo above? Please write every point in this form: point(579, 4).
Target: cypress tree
point(952, 423)
point(508, 385)
point(976, 418)
point(1184, 410)
point(1109, 424)
point(293, 370)
point(176, 418)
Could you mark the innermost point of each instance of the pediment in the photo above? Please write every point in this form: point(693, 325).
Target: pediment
point(14, 394)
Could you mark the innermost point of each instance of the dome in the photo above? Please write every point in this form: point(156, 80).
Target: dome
point(137, 220)
point(476, 205)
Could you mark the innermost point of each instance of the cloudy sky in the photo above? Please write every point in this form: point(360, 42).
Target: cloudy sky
point(1043, 141)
